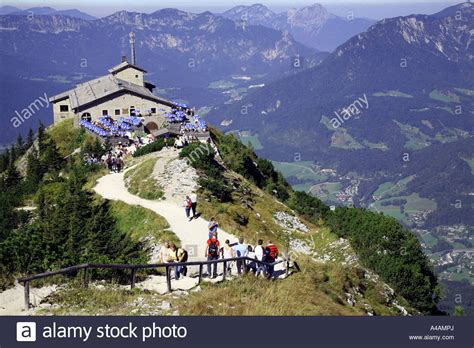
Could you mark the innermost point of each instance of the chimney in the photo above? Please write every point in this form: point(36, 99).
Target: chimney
point(132, 46)
point(124, 59)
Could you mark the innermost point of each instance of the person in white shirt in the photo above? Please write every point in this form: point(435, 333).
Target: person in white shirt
point(240, 250)
point(252, 265)
point(259, 253)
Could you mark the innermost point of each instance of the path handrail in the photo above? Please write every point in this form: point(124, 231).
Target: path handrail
point(134, 267)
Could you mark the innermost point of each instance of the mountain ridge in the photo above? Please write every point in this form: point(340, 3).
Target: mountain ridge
point(11, 10)
point(311, 25)
point(186, 50)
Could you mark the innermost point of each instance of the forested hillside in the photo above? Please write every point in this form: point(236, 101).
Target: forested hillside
point(48, 219)
point(382, 244)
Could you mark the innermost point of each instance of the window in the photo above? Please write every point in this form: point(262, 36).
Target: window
point(153, 111)
point(63, 108)
point(86, 116)
point(125, 111)
point(105, 112)
point(117, 112)
point(136, 76)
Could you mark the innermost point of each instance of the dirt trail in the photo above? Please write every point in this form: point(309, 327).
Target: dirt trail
point(193, 234)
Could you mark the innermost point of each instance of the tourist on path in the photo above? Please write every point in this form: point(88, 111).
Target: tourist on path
point(252, 265)
point(213, 224)
point(180, 255)
point(271, 254)
point(193, 198)
point(119, 164)
point(259, 256)
point(164, 252)
point(171, 253)
point(212, 254)
point(187, 206)
point(228, 253)
point(240, 250)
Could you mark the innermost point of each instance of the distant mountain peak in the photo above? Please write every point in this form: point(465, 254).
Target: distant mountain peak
point(311, 25)
point(255, 13)
point(313, 15)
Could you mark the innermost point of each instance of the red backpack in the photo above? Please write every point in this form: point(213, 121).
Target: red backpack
point(271, 251)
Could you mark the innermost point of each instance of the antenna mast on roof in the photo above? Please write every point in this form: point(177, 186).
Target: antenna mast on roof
point(132, 47)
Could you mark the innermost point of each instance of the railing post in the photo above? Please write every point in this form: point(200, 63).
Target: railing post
point(200, 273)
point(244, 264)
point(133, 278)
point(26, 286)
point(168, 278)
point(295, 265)
point(224, 273)
point(86, 278)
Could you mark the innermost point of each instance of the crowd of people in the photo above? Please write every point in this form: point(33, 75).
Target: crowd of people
point(114, 162)
point(262, 265)
point(262, 257)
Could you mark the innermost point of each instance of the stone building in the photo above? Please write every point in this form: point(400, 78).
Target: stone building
point(122, 92)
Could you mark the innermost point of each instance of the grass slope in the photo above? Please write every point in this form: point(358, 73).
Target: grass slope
point(140, 182)
point(141, 223)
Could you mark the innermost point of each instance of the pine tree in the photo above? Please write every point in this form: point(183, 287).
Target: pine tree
point(30, 139)
point(34, 171)
point(4, 160)
point(12, 178)
point(41, 137)
point(13, 154)
point(50, 157)
point(20, 145)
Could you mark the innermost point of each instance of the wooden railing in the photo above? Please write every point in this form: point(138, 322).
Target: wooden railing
point(133, 268)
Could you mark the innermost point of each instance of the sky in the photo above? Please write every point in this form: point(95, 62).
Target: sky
point(366, 8)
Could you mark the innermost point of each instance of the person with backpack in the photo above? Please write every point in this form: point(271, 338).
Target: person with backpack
point(180, 255)
point(213, 224)
point(187, 207)
point(212, 254)
point(271, 254)
point(260, 256)
point(240, 250)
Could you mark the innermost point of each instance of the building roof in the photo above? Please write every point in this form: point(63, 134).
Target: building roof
point(102, 87)
point(124, 65)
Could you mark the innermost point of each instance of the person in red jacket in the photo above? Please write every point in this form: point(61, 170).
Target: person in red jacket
point(271, 254)
point(212, 254)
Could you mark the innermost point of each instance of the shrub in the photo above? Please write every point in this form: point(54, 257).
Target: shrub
point(217, 188)
point(155, 146)
point(240, 219)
